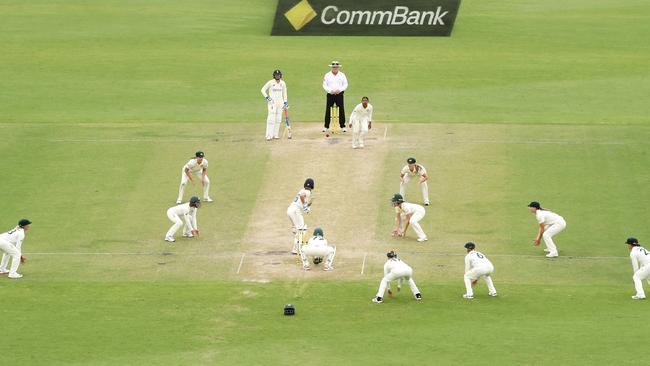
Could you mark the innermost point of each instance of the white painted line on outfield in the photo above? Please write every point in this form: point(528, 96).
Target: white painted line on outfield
point(241, 261)
point(363, 264)
point(385, 132)
point(123, 140)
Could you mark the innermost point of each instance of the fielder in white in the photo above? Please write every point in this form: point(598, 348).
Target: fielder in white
point(476, 266)
point(360, 122)
point(183, 215)
point(196, 168)
point(301, 203)
point(275, 93)
point(550, 224)
point(640, 258)
point(11, 243)
point(410, 170)
point(395, 269)
point(405, 214)
point(317, 249)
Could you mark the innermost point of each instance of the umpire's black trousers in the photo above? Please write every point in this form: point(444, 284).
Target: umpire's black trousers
point(338, 100)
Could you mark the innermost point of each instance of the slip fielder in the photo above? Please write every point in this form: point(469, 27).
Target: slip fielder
point(301, 203)
point(410, 170)
point(360, 122)
point(408, 213)
point(11, 243)
point(395, 269)
point(316, 249)
point(277, 101)
point(183, 215)
point(476, 266)
point(640, 258)
point(197, 167)
point(550, 224)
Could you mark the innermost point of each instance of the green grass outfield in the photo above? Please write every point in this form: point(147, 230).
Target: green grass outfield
point(102, 104)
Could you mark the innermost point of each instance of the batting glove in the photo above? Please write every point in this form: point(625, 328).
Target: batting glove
point(306, 209)
point(286, 105)
point(268, 99)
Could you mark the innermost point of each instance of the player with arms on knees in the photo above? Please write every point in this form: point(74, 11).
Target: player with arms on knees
point(275, 93)
point(476, 266)
point(11, 243)
point(640, 258)
point(360, 122)
point(301, 204)
point(186, 211)
point(196, 168)
point(408, 213)
point(410, 170)
point(550, 224)
point(317, 249)
point(395, 269)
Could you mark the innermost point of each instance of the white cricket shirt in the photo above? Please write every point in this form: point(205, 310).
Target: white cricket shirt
point(317, 241)
point(296, 200)
point(333, 82)
point(194, 167)
point(409, 208)
point(548, 217)
point(187, 213)
point(14, 236)
point(640, 257)
point(417, 170)
point(395, 265)
point(276, 90)
point(362, 113)
point(476, 259)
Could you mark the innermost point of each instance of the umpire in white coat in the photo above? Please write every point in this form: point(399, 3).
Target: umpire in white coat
point(335, 84)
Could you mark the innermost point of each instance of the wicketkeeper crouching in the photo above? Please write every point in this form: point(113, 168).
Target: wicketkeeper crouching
point(316, 249)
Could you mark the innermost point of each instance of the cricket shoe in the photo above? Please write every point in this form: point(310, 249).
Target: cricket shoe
point(208, 199)
point(493, 294)
point(170, 239)
point(268, 139)
point(418, 297)
point(344, 129)
point(328, 268)
point(276, 137)
point(637, 297)
point(423, 239)
point(325, 130)
point(427, 203)
point(361, 146)
point(3, 271)
point(306, 268)
point(552, 255)
point(377, 300)
point(546, 250)
point(468, 297)
point(15, 275)
point(188, 235)
point(355, 147)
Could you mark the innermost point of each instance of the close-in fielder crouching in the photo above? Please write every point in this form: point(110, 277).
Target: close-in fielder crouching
point(640, 258)
point(316, 249)
point(476, 266)
point(301, 203)
point(395, 269)
point(183, 215)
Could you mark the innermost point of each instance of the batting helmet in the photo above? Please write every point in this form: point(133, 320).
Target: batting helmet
point(397, 198)
point(632, 241)
point(318, 232)
point(410, 160)
point(199, 154)
point(309, 183)
point(318, 260)
point(391, 254)
point(470, 246)
point(277, 72)
point(195, 201)
point(24, 222)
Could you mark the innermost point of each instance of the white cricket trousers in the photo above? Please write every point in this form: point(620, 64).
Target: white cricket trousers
point(10, 251)
point(197, 178)
point(406, 274)
point(298, 222)
point(178, 223)
point(324, 251)
point(274, 120)
point(475, 274)
point(549, 232)
point(424, 186)
point(359, 131)
point(641, 274)
point(415, 223)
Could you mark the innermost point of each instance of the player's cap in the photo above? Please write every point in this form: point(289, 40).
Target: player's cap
point(391, 254)
point(470, 245)
point(335, 64)
point(318, 232)
point(24, 222)
point(410, 160)
point(397, 198)
point(632, 241)
point(199, 154)
point(277, 72)
point(195, 200)
point(365, 98)
point(535, 204)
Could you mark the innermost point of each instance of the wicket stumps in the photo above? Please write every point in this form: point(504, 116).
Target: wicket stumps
point(334, 119)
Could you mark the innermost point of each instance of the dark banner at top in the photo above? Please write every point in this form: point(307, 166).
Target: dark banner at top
point(365, 17)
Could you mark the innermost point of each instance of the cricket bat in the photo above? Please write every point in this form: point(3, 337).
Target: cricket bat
point(287, 122)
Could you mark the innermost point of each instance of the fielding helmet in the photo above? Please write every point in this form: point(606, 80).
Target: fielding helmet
point(397, 198)
point(470, 246)
point(391, 254)
point(632, 241)
point(277, 72)
point(199, 154)
point(309, 183)
point(318, 260)
point(410, 160)
point(195, 201)
point(24, 222)
point(318, 232)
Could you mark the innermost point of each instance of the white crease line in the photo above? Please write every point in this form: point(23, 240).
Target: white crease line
point(363, 264)
point(123, 140)
point(385, 132)
point(241, 261)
